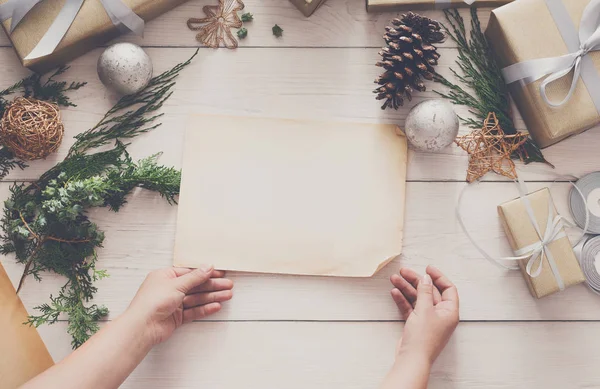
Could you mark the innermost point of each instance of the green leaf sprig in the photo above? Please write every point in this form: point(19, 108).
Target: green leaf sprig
point(485, 89)
point(46, 223)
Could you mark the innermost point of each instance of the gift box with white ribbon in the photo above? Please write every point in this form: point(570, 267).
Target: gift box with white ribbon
point(550, 54)
point(536, 232)
point(49, 33)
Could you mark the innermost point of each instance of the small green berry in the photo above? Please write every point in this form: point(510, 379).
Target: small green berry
point(277, 31)
point(242, 33)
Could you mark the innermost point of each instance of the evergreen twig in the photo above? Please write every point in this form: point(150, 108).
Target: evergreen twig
point(484, 88)
point(46, 223)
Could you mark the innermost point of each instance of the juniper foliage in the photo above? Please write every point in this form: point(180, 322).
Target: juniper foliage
point(482, 88)
point(46, 223)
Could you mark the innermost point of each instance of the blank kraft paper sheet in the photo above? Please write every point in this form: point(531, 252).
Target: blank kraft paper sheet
point(291, 196)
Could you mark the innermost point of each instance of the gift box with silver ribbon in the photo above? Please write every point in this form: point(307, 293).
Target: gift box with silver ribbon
point(550, 51)
point(536, 234)
point(48, 33)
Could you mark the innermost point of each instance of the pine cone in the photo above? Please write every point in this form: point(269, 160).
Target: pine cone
point(408, 58)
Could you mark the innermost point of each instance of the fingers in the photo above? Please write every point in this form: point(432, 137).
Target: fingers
point(404, 287)
point(180, 271)
point(213, 285)
point(424, 294)
point(197, 299)
point(217, 274)
point(196, 277)
point(443, 283)
point(414, 278)
point(403, 305)
point(200, 312)
point(439, 279)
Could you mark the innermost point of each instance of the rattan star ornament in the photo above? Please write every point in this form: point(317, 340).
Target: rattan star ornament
point(490, 150)
point(215, 28)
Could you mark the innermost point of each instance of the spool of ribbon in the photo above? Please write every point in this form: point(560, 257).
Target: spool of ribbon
point(537, 252)
point(589, 186)
point(589, 253)
point(579, 44)
point(120, 14)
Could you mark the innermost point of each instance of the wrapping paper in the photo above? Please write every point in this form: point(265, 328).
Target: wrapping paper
point(291, 196)
point(307, 7)
point(521, 233)
point(407, 5)
point(91, 28)
point(525, 30)
point(23, 354)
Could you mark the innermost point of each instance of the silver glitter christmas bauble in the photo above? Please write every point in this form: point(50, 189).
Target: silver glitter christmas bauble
point(431, 125)
point(125, 68)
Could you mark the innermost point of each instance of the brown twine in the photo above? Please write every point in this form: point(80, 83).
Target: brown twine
point(31, 128)
point(490, 149)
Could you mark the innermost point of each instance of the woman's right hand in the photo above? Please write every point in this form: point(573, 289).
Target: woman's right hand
point(429, 304)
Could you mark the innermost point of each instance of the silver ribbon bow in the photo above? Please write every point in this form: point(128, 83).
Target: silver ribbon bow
point(538, 251)
point(579, 45)
point(120, 14)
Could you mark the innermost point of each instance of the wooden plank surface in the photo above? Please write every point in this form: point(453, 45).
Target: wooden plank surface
point(298, 332)
point(337, 23)
point(333, 84)
point(138, 241)
point(357, 355)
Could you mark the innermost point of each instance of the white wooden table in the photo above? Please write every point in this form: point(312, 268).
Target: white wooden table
point(309, 332)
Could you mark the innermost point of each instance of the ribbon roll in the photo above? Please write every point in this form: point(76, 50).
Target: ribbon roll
point(579, 44)
point(589, 253)
point(587, 205)
point(119, 13)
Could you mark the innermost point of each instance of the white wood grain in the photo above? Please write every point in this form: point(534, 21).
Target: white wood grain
point(332, 84)
point(338, 23)
point(298, 332)
point(357, 355)
point(139, 240)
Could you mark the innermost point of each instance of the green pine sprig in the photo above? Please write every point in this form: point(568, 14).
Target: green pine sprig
point(46, 223)
point(482, 87)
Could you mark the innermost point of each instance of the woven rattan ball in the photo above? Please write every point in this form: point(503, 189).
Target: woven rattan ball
point(31, 128)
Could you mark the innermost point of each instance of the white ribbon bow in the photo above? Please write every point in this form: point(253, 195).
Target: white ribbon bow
point(538, 251)
point(120, 14)
point(579, 44)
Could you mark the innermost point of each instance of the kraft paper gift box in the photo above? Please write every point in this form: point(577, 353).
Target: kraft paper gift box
point(307, 7)
point(405, 5)
point(521, 233)
point(91, 28)
point(526, 30)
point(23, 355)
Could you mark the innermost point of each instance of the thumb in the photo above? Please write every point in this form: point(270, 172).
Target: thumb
point(189, 281)
point(424, 293)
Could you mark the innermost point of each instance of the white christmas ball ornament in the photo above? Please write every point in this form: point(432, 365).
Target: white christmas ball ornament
point(125, 68)
point(431, 125)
